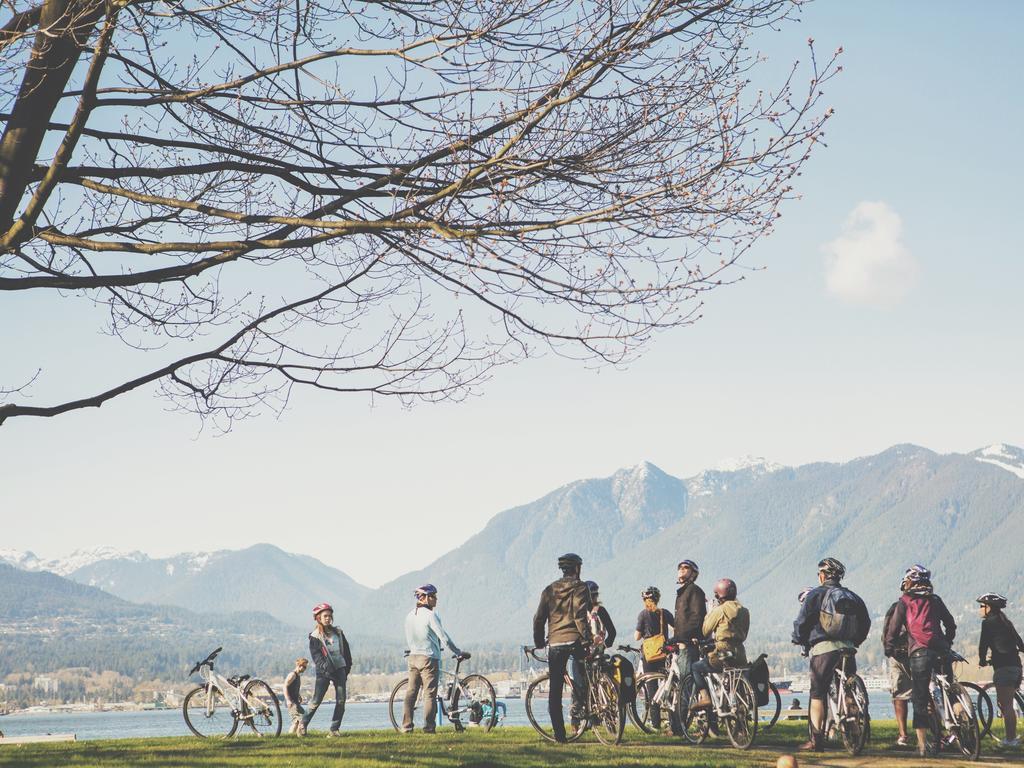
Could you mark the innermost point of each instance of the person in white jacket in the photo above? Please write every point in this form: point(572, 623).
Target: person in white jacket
point(424, 635)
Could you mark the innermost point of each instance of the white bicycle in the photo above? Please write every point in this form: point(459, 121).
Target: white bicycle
point(218, 706)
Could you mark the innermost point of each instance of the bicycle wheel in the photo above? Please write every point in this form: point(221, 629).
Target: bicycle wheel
point(474, 702)
point(608, 709)
point(694, 723)
point(982, 707)
point(538, 714)
point(741, 722)
point(261, 710)
point(648, 717)
point(774, 706)
point(208, 716)
point(965, 728)
point(855, 723)
point(396, 705)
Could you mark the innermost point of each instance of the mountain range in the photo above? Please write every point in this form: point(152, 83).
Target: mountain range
point(762, 524)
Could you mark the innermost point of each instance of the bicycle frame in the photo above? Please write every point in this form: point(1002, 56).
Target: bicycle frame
point(835, 711)
point(231, 693)
point(722, 690)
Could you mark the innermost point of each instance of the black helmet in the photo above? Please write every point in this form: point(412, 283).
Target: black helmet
point(832, 568)
point(689, 564)
point(592, 586)
point(651, 593)
point(570, 560)
point(992, 600)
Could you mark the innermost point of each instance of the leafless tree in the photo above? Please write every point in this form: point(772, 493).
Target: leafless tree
point(384, 196)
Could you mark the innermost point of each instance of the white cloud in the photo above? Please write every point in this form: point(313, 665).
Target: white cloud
point(868, 263)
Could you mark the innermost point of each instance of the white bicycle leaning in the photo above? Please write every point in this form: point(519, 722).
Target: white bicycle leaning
point(218, 706)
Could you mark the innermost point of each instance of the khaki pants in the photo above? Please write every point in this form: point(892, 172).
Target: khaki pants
point(423, 672)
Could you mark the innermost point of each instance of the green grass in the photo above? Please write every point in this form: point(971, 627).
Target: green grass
point(511, 747)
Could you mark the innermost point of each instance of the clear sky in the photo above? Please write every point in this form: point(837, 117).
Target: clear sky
point(889, 311)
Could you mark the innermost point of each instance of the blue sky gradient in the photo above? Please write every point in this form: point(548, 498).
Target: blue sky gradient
point(928, 121)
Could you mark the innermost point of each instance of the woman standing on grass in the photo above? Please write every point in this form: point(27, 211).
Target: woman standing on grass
point(330, 653)
point(999, 637)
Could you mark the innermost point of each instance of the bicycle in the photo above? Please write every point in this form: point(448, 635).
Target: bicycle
point(986, 722)
point(653, 713)
point(846, 708)
point(220, 704)
point(733, 704)
point(601, 709)
point(952, 716)
point(466, 701)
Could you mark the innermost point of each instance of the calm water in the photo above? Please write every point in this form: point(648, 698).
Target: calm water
point(169, 722)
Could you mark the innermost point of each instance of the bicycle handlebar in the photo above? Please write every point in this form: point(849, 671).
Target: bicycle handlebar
point(629, 649)
point(208, 661)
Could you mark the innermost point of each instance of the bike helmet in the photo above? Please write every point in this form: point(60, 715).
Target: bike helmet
point(691, 565)
point(917, 574)
point(651, 593)
point(832, 568)
point(804, 593)
point(992, 600)
point(570, 560)
point(320, 608)
point(725, 589)
point(425, 591)
point(592, 586)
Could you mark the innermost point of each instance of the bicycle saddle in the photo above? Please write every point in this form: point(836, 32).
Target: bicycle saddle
point(237, 680)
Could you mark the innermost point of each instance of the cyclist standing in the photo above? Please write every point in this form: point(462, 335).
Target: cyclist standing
point(833, 620)
point(691, 608)
point(424, 635)
point(565, 610)
point(333, 659)
point(601, 625)
point(999, 636)
point(653, 622)
point(930, 632)
point(900, 683)
point(729, 624)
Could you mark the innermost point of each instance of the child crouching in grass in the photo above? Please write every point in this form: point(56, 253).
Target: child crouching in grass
point(292, 697)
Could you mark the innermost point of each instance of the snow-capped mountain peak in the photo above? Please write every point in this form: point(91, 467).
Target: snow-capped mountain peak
point(1004, 456)
point(759, 464)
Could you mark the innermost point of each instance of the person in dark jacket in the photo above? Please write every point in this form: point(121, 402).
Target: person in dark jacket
point(565, 612)
point(1000, 638)
point(901, 685)
point(654, 622)
point(826, 651)
point(329, 650)
point(930, 632)
point(691, 608)
point(601, 625)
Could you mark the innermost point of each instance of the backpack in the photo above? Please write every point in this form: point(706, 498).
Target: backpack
point(624, 674)
point(838, 614)
point(759, 676)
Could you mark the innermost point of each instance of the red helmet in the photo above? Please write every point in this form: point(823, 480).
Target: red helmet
point(725, 589)
point(317, 610)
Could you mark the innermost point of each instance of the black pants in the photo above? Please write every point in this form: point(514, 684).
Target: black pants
point(823, 667)
point(923, 663)
point(558, 660)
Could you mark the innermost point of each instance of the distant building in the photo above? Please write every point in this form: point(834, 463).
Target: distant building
point(48, 685)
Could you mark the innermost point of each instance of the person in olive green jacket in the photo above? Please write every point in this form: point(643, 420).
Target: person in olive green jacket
point(728, 622)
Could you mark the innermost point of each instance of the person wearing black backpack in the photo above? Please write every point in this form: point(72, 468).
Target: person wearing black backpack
point(832, 620)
